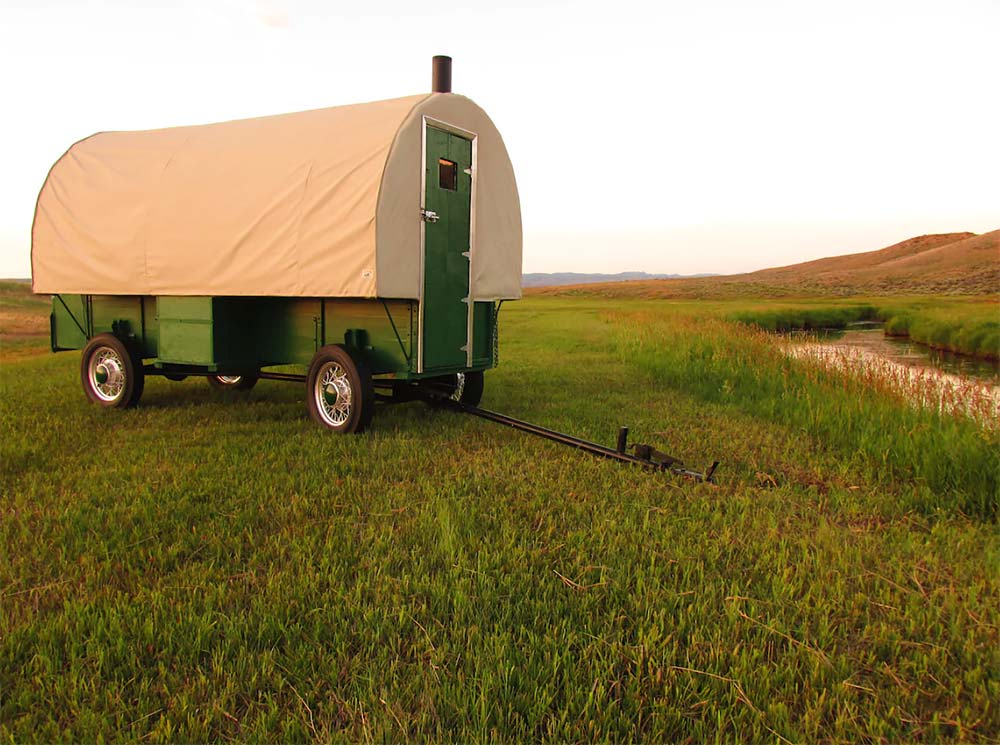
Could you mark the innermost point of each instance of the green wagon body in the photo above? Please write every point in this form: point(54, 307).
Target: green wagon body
point(241, 335)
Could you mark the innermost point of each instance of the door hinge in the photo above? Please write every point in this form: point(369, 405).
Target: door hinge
point(467, 254)
point(429, 215)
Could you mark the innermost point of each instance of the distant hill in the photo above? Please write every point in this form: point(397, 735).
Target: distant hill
point(556, 279)
point(949, 263)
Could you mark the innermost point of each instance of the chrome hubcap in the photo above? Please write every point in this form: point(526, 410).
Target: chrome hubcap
point(333, 394)
point(107, 374)
point(229, 379)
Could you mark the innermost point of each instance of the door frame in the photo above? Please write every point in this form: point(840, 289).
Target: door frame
point(474, 139)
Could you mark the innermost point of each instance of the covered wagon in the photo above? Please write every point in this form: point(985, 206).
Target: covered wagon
point(372, 243)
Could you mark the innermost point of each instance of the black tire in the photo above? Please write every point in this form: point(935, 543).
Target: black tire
point(345, 403)
point(111, 373)
point(176, 377)
point(232, 382)
point(466, 388)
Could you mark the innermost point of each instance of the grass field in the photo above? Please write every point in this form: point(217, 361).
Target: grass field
point(213, 567)
point(964, 324)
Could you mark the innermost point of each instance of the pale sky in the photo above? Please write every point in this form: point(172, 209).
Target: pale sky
point(666, 137)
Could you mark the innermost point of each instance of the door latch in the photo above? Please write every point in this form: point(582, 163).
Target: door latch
point(429, 215)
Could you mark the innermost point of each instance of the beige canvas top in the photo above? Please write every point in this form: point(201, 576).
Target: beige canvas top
point(322, 203)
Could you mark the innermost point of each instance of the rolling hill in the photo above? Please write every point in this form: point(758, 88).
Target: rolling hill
point(949, 263)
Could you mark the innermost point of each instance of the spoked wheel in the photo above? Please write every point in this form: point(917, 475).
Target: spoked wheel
point(111, 374)
point(340, 395)
point(232, 382)
point(466, 388)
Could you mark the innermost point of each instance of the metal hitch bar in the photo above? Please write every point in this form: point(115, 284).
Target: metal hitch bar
point(645, 456)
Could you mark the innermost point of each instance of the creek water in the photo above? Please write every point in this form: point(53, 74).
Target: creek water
point(869, 338)
point(950, 382)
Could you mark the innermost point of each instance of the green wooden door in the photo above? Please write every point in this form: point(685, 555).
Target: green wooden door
point(447, 205)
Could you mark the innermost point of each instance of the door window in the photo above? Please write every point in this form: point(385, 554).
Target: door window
point(447, 174)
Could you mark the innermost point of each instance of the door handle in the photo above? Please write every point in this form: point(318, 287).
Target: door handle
point(429, 215)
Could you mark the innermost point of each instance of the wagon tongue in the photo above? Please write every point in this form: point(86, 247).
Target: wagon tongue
point(642, 455)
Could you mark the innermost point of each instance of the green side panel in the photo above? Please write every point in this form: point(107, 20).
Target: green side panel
point(367, 326)
point(234, 333)
point(483, 323)
point(118, 314)
point(75, 318)
point(69, 322)
point(446, 269)
point(186, 330)
point(286, 330)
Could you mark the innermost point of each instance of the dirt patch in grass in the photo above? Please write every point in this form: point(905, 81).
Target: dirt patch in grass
point(24, 321)
point(22, 334)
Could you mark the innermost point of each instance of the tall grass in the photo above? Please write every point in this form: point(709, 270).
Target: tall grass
point(953, 395)
point(955, 458)
point(965, 325)
point(799, 318)
point(976, 337)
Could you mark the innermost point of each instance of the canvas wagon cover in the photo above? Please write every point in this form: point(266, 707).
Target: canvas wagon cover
point(322, 203)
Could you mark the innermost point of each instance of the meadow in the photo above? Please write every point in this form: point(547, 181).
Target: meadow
point(215, 567)
point(966, 324)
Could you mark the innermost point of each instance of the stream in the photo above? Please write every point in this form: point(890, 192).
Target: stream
point(869, 338)
point(951, 382)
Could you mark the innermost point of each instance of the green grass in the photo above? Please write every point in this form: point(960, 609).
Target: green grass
point(967, 325)
point(970, 328)
point(215, 567)
point(783, 318)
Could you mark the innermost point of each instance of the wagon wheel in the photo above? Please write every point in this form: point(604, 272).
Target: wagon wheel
point(340, 394)
point(232, 382)
point(466, 388)
point(111, 373)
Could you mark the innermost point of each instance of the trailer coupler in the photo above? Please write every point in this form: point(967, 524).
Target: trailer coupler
point(645, 456)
